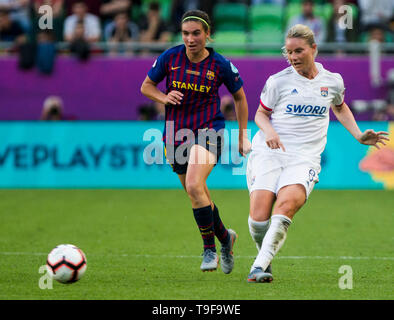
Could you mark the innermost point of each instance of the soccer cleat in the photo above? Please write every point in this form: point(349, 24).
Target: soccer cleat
point(209, 261)
point(259, 276)
point(226, 257)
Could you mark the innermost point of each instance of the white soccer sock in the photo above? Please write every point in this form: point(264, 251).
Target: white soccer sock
point(273, 241)
point(257, 230)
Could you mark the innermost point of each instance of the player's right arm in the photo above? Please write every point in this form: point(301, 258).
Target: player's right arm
point(268, 99)
point(150, 90)
point(262, 119)
point(155, 75)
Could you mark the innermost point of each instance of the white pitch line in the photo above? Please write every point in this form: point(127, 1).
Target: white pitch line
point(169, 256)
point(16, 253)
point(278, 257)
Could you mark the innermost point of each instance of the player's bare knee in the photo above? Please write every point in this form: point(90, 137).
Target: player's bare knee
point(260, 214)
point(194, 189)
point(261, 202)
point(287, 207)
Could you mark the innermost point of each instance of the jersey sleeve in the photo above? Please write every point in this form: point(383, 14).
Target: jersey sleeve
point(269, 95)
point(232, 80)
point(339, 92)
point(158, 71)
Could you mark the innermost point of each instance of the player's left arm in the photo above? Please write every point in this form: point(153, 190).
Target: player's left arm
point(241, 110)
point(368, 137)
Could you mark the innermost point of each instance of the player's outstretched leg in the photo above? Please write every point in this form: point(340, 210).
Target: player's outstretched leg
point(273, 241)
point(261, 202)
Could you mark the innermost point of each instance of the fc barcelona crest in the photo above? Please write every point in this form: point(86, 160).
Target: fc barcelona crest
point(210, 75)
point(324, 91)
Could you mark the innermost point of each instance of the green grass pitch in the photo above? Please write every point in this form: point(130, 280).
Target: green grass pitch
point(144, 244)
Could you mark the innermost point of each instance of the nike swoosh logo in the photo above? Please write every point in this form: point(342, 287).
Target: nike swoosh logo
point(174, 68)
point(212, 144)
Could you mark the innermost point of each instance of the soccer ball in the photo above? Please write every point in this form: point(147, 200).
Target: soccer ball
point(66, 263)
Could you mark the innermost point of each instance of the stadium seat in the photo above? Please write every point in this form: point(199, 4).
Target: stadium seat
point(230, 17)
point(230, 26)
point(228, 38)
point(177, 38)
point(265, 10)
point(261, 14)
point(261, 25)
point(300, 1)
point(268, 34)
point(292, 9)
point(324, 11)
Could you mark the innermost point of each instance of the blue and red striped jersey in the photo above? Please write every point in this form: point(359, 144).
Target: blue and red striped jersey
point(199, 83)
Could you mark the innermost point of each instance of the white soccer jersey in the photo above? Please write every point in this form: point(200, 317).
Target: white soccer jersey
point(300, 110)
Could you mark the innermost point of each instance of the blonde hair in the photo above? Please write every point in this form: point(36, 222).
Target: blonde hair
point(302, 32)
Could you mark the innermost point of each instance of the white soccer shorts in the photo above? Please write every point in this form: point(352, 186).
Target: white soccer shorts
point(273, 170)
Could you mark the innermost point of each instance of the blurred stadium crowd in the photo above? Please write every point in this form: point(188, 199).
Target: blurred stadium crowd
point(147, 27)
point(82, 24)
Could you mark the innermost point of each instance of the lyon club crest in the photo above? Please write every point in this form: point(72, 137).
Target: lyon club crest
point(210, 75)
point(324, 91)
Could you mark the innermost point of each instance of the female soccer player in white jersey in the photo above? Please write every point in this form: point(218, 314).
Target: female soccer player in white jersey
point(284, 164)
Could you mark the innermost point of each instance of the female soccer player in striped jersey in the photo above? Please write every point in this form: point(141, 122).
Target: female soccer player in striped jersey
point(193, 135)
point(284, 164)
